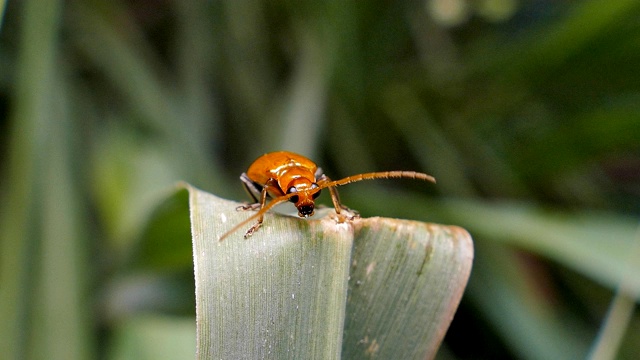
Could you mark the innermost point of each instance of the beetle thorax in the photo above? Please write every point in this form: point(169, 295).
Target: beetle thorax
point(299, 177)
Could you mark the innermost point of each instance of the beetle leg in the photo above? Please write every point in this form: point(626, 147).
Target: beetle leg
point(253, 190)
point(271, 183)
point(322, 178)
point(335, 198)
point(253, 207)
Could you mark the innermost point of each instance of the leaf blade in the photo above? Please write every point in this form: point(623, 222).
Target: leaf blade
point(288, 292)
point(406, 283)
point(260, 298)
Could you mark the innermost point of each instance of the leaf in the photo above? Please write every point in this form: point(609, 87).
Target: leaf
point(595, 244)
point(165, 242)
point(276, 294)
point(407, 279)
point(3, 4)
point(320, 289)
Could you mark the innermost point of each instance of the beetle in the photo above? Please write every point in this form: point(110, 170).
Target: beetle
point(285, 175)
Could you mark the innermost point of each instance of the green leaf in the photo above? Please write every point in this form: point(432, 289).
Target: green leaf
point(320, 289)
point(165, 241)
point(595, 244)
point(3, 4)
point(278, 293)
point(43, 269)
point(406, 281)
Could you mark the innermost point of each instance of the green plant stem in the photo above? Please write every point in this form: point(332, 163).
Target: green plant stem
point(34, 87)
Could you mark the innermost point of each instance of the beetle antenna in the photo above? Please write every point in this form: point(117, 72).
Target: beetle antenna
point(378, 175)
point(261, 212)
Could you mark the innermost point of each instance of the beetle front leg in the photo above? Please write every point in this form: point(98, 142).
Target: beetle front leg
point(343, 212)
point(271, 183)
point(254, 207)
point(335, 198)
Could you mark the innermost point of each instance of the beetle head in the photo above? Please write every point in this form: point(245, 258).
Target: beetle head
point(305, 194)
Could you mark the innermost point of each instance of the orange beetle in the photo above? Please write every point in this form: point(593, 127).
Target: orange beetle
point(284, 175)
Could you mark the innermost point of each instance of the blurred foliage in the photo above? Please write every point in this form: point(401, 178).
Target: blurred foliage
point(510, 104)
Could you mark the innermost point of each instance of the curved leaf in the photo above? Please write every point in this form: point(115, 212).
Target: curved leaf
point(320, 289)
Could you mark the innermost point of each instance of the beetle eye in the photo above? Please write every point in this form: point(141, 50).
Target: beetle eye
point(294, 198)
point(316, 194)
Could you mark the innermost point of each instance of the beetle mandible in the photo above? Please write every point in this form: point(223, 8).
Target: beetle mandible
point(284, 175)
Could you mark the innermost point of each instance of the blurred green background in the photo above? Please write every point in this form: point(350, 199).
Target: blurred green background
point(526, 111)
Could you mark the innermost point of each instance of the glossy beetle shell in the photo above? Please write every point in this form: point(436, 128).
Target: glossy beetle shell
point(284, 166)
